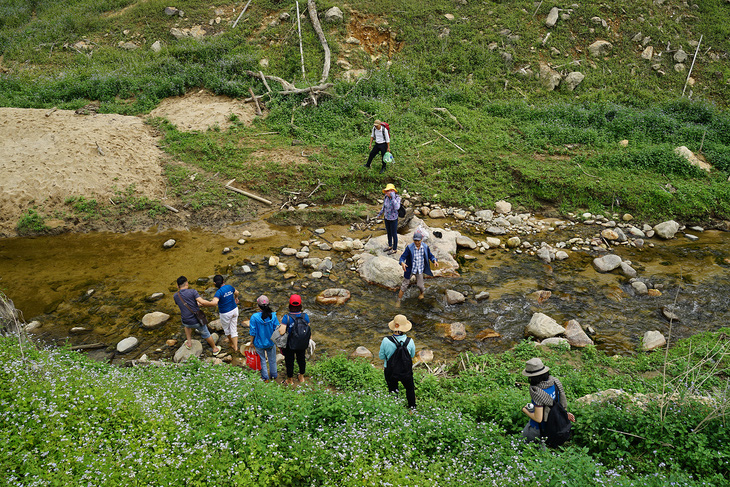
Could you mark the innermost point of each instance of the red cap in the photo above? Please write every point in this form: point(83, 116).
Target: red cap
point(295, 300)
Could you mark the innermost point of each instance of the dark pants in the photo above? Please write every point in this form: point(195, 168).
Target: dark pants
point(382, 148)
point(289, 361)
point(407, 384)
point(391, 227)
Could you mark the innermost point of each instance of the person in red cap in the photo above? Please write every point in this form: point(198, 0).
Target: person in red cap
point(295, 317)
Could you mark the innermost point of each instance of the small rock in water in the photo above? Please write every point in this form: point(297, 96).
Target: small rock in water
point(487, 333)
point(362, 352)
point(482, 296)
point(425, 356)
point(169, 243)
point(127, 344)
point(246, 234)
point(154, 297)
point(155, 319)
point(316, 275)
point(319, 231)
point(226, 250)
point(246, 269)
point(456, 331)
point(273, 261)
point(454, 297)
point(241, 241)
point(171, 342)
point(653, 340)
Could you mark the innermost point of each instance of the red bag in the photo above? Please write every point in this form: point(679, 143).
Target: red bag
point(253, 360)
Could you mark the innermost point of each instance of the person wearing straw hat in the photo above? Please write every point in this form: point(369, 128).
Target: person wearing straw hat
point(544, 388)
point(415, 261)
point(391, 203)
point(399, 370)
point(381, 136)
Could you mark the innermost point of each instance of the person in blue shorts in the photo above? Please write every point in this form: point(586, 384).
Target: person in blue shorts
point(189, 302)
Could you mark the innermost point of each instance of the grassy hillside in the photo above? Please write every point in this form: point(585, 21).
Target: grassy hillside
point(479, 60)
point(69, 421)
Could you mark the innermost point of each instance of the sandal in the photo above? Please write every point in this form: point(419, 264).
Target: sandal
point(188, 346)
point(220, 350)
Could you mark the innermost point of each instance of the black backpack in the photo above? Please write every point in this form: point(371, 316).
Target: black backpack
point(400, 364)
point(556, 428)
point(299, 333)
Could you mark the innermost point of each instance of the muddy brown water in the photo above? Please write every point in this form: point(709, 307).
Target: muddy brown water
point(50, 280)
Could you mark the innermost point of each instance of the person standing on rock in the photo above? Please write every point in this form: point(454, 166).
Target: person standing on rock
point(299, 319)
point(189, 302)
point(544, 390)
point(391, 203)
point(262, 326)
point(381, 136)
point(397, 352)
point(226, 297)
point(415, 261)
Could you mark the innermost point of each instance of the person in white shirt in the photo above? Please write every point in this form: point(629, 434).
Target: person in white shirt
point(379, 134)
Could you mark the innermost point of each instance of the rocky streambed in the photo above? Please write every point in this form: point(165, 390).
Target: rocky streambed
point(504, 275)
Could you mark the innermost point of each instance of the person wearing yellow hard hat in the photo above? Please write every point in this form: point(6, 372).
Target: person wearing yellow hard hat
point(391, 203)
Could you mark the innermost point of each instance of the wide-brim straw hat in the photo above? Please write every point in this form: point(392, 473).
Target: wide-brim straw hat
point(534, 367)
point(388, 187)
point(400, 323)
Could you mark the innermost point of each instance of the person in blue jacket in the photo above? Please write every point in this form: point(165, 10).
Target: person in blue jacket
point(415, 261)
point(262, 326)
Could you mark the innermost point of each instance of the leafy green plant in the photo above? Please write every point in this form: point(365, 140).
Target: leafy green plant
point(31, 222)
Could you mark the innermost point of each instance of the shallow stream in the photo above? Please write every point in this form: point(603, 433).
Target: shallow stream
point(50, 279)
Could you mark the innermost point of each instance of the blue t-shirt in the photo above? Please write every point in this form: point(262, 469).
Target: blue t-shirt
point(288, 319)
point(226, 298)
point(552, 392)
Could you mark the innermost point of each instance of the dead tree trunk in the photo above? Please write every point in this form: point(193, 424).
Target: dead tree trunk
point(318, 28)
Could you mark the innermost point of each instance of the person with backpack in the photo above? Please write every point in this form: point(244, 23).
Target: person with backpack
point(296, 324)
point(416, 261)
point(397, 352)
point(391, 205)
point(547, 411)
point(380, 134)
point(262, 326)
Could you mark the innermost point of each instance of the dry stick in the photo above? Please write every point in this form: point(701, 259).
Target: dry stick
point(88, 346)
point(455, 145)
point(256, 102)
point(693, 65)
point(429, 142)
point(589, 175)
point(343, 199)
point(174, 210)
point(301, 49)
point(98, 149)
point(703, 140)
point(263, 78)
point(452, 117)
point(241, 15)
point(265, 133)
point(246, 193)
point(636, 436)
point(319, 183)
point(538, 8)
point(48, 114)
point(284, 83)
point(322, 40)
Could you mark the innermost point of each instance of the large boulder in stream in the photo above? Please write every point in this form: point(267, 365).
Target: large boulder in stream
point(666, 230)
point(542, 326)
point(184, 353)
point(127, 344)
point(153, 320)
point(333, 296)
point(374, 267)
point(607, 263)
point(576, 336)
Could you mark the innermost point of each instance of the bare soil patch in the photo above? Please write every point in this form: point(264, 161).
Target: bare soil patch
point(46, 159)
point(201, 110)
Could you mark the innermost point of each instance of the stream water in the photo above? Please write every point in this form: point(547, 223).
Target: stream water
point(50, 279)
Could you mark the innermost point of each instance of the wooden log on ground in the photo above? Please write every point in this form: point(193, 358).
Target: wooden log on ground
point(256, 102)
point(88, 346)
point(174, 210)
point(322, 39)
point(250, 195)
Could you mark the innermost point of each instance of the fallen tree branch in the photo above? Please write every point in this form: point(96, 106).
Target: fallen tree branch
point(284, 83)
point(241, 15)
point(453, 143)
point(174, 210)
point(301, 49)
point(263, 78)
point(452, 117)
point(319, 183)
point(246, 193)
point(89, 346)
point(318, 88)
point(318, 29)
point(589, 175)
point(256, 102)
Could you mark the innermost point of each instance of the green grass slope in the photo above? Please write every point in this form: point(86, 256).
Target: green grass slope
point(65, 420)
point(478, 60)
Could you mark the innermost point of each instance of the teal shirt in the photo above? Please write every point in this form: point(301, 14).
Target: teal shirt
point(387, 348)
